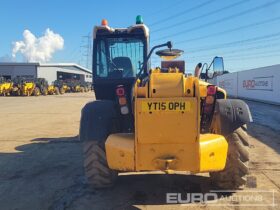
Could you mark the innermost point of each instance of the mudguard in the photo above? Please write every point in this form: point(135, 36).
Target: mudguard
point(231, 114)
point(97, 120)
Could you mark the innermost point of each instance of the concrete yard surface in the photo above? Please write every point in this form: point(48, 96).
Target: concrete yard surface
point(41, 163)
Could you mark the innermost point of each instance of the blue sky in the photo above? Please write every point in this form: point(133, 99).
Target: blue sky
point(245, 32)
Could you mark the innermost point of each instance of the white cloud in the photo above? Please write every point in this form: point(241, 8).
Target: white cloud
point(39, 49)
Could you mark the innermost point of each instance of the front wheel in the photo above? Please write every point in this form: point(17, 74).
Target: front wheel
point(36, 91)
point(45, 91)
point(61, 90)
point(236, 170)
point(97, 171)
point(56, 91)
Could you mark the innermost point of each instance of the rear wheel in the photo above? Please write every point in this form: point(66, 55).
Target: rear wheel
point(236, 169)
point(61, 90)
point(56, 91)
point(17, 92)
point(45, 91)
point(36, 91)
point(97, 171)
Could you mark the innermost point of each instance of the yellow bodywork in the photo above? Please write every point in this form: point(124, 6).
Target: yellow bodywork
point(167, 129)
point(121, 154)
point(78, 88)
point(27, 88)
point(53, 90)
point(6, 88)
point(64, 89)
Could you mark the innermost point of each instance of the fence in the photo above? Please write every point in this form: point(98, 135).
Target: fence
point(261, 84)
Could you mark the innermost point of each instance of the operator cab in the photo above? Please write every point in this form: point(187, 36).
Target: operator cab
point(118, 56)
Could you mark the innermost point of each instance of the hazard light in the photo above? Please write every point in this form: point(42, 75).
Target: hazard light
point(139, 19)
point(104, 22)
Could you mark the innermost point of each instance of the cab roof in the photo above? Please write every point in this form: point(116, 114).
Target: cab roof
point(134, 29)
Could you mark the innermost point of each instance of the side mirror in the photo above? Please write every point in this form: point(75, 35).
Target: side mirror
point(218, 66)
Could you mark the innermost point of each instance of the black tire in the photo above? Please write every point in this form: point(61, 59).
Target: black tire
point(62, 91)
point(234, 176)
point(98, 174)
point(45, 91)
point(18, 92)
point(56, 91)
point(36, 91)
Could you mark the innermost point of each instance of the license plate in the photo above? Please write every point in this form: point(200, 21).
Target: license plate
point(169, 106)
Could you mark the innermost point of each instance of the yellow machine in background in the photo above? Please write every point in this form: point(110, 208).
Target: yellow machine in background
point(62, 86)
point(78, 88)
point(29, 88)
point(64, 89)
point(159, 119)
point(5, 87)
point(74, 86)
point(53, 90)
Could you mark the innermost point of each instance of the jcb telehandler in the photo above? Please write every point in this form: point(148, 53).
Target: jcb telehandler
point(25, 87)
point(62, 86)
point(86, 86)
point(75, 86)
point(43, 85)
point(5, 87)
point(158, 119)
point(53, 90)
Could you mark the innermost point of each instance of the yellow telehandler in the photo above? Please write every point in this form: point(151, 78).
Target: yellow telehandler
point(53, 90)
point(5, 87)
point(159, 119)
point(62, 86)
point(25, 87)
point(75, 86)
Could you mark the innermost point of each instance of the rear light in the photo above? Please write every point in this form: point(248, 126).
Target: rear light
point(122, 101)
point(120, 91)
point(208, 108)
point(124, 110)
point(211, 90)
point(210, 99)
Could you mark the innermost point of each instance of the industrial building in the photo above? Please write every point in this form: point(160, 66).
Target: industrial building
point(49, 71)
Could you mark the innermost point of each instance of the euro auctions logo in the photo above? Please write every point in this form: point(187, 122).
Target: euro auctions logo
point(259, 83)
point(191, 198)
point(257, 198)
